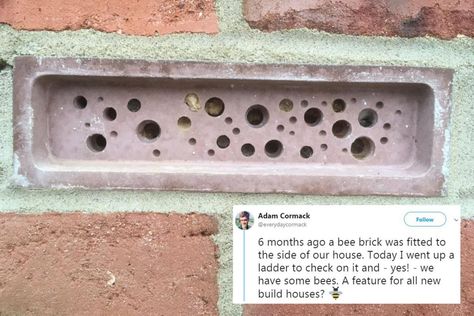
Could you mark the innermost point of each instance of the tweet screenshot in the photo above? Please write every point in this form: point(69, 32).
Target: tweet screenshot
point(346, 254)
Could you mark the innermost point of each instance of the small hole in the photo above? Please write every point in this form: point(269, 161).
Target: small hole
point(223, 141)
point(387, 126)
point(339, 105)
point(80, 102)
point(87, 124)
point(192, 101)
point(273, 148)
point(100, 99)
point(367, 118)
point(341, 129)
point(383, 140)
point(214, 107)
point(184, 122)
point(236, 131)
point(280, 128)
point(322, 133)
point(293, 119)
point(313, 116)
point(113, 134)
point(192, 141)
point(148, 130)
point(304, 103)
point(156, 153)
point(257, 115)
point(379, 105)
point(306, 152)
point(211, 152)
point(134, 105)
point(362, 147)
point(324, 103)
point(286, 105)
point(398, 112)
point(353, 100)
point(344, 150)
point(324, 147)
point(247, 150)
point(110, 114)
point(96, 142)
point(228, 120)
point(292, 133)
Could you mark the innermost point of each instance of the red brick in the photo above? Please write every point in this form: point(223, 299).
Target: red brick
point(465, 308)
point(144, 17)
point(63, 264)
point(406, 18)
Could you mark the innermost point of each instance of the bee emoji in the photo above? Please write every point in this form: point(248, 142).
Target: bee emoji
point(335, 293)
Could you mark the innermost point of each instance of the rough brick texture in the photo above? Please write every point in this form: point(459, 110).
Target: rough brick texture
point(465, 308)
point(117, 264)
point(144, 17)
point(408, 18)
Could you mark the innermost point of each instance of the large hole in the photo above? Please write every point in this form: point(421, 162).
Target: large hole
point(223, 141)
point(367, 118)
point(362, 148)
point(192, 101)
point(341, 129)
point(247, 150)
point(184, 122)
point(286, 105)
point(313, 116)
point(134, 105)
point(96, 142)
point(257, 115)
point(339, 105)
point(306, 152)
point(214, 107)
point(110, 114)
point(80, 102)
point(273, 148)
point(148, 130)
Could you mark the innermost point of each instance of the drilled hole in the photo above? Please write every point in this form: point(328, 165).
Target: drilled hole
point(304, 103)
point(100, 99)
point(113, 134)
point(273, 148)
point(322, 133)
point(367, 118)
point(324, 147)
point(110, 114)
point(398, 112)
point(134, 105)
point(286, 105)
point(379, 105)
point(236, 131)
point(362, 147)
point(383, 140)
point(192, 101)
point(353, 100)
point(192, 141)
point(257, 115)
point(339, 105)
point(292, 133)
point(341, 129)
point(223, 141)
point(148, 130)
point(214, 107)
point(87, 124)
point(324, 103)
point(306, 152)
point(80, 102)
point(344, 150)
point(247, 150)
point(228, 120)
point(387, 126)
point(184, 122)
point(280, 128)
point(313, 116)
point(293, 119)
point(96, 142)
point(156, 153)
point(211, 152)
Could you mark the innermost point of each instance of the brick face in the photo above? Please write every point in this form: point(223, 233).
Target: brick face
point(120, 264)
point(407, 18)
point(146, 17)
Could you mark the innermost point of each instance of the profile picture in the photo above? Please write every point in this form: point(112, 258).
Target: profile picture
point(244, 220)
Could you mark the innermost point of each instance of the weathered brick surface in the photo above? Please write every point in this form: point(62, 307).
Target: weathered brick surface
point(465, 308)
point(408, 18)
point(117, 264)
point(144, 17)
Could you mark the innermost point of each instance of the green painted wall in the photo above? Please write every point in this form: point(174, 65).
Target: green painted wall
point(238, 43)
